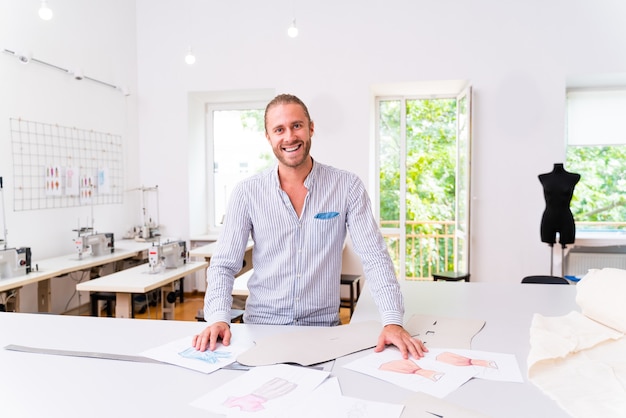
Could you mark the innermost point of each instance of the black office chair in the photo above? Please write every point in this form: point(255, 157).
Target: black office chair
point(545, 280)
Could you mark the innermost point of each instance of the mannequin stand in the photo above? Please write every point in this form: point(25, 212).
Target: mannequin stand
point(563, 247)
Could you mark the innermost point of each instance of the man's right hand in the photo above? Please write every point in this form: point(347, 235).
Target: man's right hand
point(211, 335)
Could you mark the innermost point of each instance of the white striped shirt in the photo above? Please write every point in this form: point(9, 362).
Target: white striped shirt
point(297, 261)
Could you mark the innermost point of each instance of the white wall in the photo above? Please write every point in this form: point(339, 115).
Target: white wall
point(517, 56)
point(99, 37)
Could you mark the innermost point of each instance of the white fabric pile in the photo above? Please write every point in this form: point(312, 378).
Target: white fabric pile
point(579, 359)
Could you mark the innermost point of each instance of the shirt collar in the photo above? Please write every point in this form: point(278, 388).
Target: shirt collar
point(308, 181)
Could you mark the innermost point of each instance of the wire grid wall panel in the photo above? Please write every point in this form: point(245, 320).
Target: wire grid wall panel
point(58, 166)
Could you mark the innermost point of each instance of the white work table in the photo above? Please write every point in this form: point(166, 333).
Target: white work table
point(206, 251)
point(35, 385)
point(33, 277)
point(240, 285)
point(204, 238)
point(69, 263)
point(46, 269)
point(137, 279)
point(507, 310)
point(58, 266)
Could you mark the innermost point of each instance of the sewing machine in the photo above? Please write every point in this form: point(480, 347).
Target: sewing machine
point(98, 244)
point(169, 255)
point(149, 229)
point(14, 262)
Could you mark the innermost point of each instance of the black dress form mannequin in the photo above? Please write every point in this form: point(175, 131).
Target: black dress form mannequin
point(558, 189)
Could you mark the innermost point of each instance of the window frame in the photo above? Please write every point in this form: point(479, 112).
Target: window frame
point(604, 105)
point(210, 152)
point(198, 163)
point(465, 92)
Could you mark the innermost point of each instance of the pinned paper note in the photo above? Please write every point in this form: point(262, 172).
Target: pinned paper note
point(71, 181)
point(103, 185)
point(53, 180)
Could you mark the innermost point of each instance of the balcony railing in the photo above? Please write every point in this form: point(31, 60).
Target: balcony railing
point(430, 247)
point(601, 226)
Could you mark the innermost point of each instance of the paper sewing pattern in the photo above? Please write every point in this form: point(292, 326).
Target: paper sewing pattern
point(313, 345)
point(436, 331)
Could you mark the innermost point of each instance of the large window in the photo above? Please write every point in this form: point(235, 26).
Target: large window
point(236, 148)
point(596, 149)
point(419, 169)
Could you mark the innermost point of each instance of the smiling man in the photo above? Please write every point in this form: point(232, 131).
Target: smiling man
point(298, 214)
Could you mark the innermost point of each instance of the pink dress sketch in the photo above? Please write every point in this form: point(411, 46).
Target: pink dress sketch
point(254, 401)
point(459, 360)
point(409, 367)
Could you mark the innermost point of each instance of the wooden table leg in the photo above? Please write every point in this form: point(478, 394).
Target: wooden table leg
point(167, 307)
point(44, 295)
point(123, 305)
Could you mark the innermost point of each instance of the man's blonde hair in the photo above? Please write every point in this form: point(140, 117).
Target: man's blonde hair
point(285, 99)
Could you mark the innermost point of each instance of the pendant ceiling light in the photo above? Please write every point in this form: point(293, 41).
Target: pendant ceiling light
point(293, 29)
point(190, 58)
point(44, 11)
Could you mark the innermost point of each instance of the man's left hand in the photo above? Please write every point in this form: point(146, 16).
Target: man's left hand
point(398, 336)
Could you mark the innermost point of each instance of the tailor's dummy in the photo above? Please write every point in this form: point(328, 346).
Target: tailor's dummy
point(558, 189)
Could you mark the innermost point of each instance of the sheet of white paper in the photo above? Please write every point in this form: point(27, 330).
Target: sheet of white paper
point(71, 181)
point(103, 182)
point(424, 375)
point(486, 365)
point(440, 371)
point(329, 387)
point(265, 391)
point(181, 353)
point(327, 401)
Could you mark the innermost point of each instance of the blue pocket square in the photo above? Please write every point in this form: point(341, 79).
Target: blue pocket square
point(326, 215)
